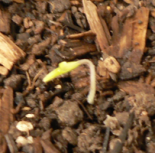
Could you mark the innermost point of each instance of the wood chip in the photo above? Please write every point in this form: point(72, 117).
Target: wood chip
point(3, 145)
point(6, 105)
point(133, 87)
point(80, 35)
point(139, 34)
point(95, 25)
point(49, 147)
point(37, 145)
point(4, 21)
point(11, 143)
point(9, 52)
point(131, 36)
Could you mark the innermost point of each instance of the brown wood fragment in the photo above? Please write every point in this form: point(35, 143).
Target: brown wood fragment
point(131, 36)
point(122, 38)
point(80, 35)
point(106, 30)
point(11, 143)
point(49, 147)
point(115, 29)
point(139, 34)
point(3, 145)
point(19, 1)
point(47, 135)
point(37, 145)
point(82, 50)
point(133, 87)
point(67, 21)
point(6, 105)
point(95, 25)
point(100, 10)
point(9, 52)
point(4, 20)
point(126, 38)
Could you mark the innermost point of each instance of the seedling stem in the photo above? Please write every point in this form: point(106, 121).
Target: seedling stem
point(65, 67)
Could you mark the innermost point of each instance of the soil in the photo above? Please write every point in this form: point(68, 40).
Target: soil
point(117, 37)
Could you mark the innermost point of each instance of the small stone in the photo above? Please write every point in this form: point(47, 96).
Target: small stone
point(30, 115)
point(24, 126)
point(24, 141)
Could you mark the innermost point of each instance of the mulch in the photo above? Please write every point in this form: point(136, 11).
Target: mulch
point(55, 117)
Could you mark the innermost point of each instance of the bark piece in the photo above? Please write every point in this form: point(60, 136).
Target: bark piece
point(6, 105)
point(130, 36)
point(82, 34)
point(9, 52)
point(3, 145)
point(37, 145)
point(133, 87)
point(139, 34)
point(49, 147)
point(4, 21)
point(11, 144)
point(122, 37)
point(95, 25)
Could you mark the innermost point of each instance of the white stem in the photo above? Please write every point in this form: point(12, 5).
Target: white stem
point(92, 91)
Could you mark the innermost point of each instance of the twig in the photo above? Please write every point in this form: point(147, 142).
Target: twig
point(106, 140)
point(119, 144)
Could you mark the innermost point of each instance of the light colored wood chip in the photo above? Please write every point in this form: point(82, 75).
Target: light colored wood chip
point(90, 11)
point(9, 52)
point(3, 70)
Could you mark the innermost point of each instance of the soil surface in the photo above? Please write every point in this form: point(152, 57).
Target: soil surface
point(55, 117)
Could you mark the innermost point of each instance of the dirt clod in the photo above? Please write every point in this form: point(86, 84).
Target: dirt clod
point(69, 113)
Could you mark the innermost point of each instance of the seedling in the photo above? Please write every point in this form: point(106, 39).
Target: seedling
point(65, 67)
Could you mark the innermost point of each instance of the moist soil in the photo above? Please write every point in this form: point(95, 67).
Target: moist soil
point(122, 118)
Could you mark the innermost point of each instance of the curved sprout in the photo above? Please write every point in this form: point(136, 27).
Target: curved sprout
point(65, 67)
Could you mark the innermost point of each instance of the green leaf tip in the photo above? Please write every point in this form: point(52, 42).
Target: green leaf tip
point(64, 67)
